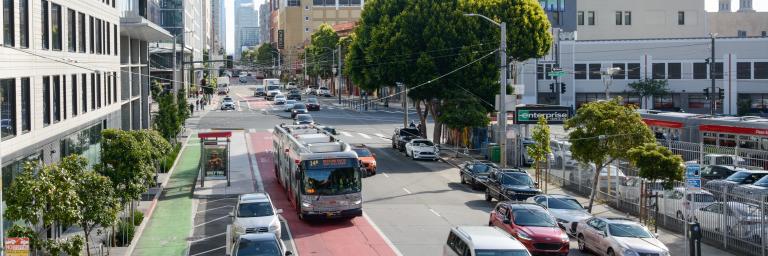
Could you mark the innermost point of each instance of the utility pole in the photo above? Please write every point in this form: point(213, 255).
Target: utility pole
point(712, 100)
point(339, 71)
point(503, 97)
point(173, 66)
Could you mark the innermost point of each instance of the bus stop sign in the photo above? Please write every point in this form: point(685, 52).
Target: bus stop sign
point(693, 176)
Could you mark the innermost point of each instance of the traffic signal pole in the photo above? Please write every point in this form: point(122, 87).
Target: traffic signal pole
point(712, 91)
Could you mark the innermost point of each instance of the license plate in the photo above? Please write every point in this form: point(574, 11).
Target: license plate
point(330, 214)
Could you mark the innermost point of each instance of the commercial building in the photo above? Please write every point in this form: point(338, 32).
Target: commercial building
point(628, 19)
point(60, 85)
point(183, 19)
point(742, 23)
point(264, 23)
point(246, 26)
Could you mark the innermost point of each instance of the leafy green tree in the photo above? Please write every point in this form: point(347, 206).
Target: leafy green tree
point(657, 162)
point(183, 105)
point(168, 119)
point(649, 87)
point(540, 150)
point(324, 41)
point(603, 131)
point(266, 57)
point(44, 198)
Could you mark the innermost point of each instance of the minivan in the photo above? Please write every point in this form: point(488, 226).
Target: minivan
point(482, 240)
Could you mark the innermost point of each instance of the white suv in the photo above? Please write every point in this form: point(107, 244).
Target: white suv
point(255, 213)
point(480, 240)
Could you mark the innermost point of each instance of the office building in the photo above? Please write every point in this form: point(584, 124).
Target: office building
point(264, 23)
point(184, 20)
point(246, 26)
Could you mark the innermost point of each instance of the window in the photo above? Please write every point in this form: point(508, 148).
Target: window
point(306, 18)
point(64, 98)
point(700, 70)
point(114, 86)
point(674, 71)
point(56, 99)
point(98, 91)
point(294, 2)
point(680, 18)
point(663, 102)
point(761, 70)
point(742, 33)
point(543, 71)
point(72, 32)
point(580, 71)
point(718, 70)
point(90, 34)
point(619, 18)
point(627, 18)
point(8, 105)
point(93, 91)
point(9, 28)
point(107, 90)
point(764, 33)
point(56, 26)
point(97, 36)
point(84, 92)
point(46, 100)
point(633, 71)
point(697, 101)
point(114, 35)
point(24, 23)
point(580, 18)
point(594, 71)
point(44, 24)
point(591, 18)
point(744, 70)
point(26, 105)
point(540, 72)
point(306, 29)
point(74, 95)
point(108, 38)
point(81, 28)
point(622, 74)
point(659, 71)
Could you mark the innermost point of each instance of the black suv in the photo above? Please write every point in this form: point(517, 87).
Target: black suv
point(475, 173)
point(510, 184)
point(404, 135)
point(719, 172)
point(717, 187)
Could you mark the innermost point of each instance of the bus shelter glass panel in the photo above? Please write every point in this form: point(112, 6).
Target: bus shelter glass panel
point(215, 160)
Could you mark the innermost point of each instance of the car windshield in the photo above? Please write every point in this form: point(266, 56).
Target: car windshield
point(628, 230)
point(259, 89)
point(501, 253)
point(409, 132)
point(273, 87)
point(323, 88)
point(361, 152)
point(289, 102)
point(533, 217)
point(423, 143)
point(331, 181)
point(312, 100)
point(304, 118)
point(227, 99)
point(762, 182)
point(702, 198)
point(480, 168)
point(299, 106)
point(515, 178)
point(258, 248)
point(564, 203)
point(738, 177)
point(257, 209)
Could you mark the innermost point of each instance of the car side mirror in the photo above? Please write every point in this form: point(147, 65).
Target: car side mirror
point(506, 221)
point(374, 155)
point(656, 235)
point(279, 211)
point(288, 253)
point(231, 214)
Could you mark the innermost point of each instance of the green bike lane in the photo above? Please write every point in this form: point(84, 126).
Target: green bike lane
point(170, 225)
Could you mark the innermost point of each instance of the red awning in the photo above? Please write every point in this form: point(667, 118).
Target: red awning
point(660, 123)
point(208, 135)
point(733, 129)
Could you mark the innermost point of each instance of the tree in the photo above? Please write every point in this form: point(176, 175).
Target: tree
point(657, 162)
point(183, 106)
point(540, 149)
point(324, 41)
point(168, 119)
point(649, 87)
point(266, 56)
point(603, 131)
point(44, 198)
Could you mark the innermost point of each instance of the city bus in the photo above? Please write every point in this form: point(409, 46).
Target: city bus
point(320, 173)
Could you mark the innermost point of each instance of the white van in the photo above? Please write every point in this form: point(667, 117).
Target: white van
point(482, 240)
point(222, 85)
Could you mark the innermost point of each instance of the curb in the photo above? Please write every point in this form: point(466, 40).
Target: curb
point(151, 210)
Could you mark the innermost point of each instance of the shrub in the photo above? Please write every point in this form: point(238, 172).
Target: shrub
point(124, 233)
point(138, 216)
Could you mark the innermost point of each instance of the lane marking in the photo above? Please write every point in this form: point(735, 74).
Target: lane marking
point(216, 200)
point(364, 135)
point(208, 222)
point(220, 207)
point(407, 191)
point(385, 174)
point(433, 211)
point(208, 237)
point(211, 250)
point(381, 234)
point(346, 134)
point(380, 135)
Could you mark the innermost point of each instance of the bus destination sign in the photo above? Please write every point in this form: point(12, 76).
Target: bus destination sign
point(330, 163)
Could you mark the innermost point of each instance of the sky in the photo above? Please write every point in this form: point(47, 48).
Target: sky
point(711, 5)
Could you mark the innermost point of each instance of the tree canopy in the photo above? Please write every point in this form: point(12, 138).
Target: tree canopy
point(657, 162)
point(321, 56)
point(649, 87)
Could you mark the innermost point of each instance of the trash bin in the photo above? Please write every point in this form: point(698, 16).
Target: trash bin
point(495, 152)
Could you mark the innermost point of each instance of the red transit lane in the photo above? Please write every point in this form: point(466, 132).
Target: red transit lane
point(335, 237)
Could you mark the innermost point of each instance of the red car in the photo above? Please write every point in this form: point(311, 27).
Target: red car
point(532, 225)
point(312, 104)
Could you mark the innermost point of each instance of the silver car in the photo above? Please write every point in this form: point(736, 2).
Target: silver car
point(259, 244)
point(757, 191)
point(255, 213)
point(566, 210)
point(618, 237)
point(742, 220)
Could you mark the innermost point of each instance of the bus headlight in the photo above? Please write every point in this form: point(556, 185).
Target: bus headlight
point(357, 202)
point(306, 204)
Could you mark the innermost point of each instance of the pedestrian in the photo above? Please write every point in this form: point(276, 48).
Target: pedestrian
point(191, 108)
point(197, 102)
point(203, 103)
point(422, 131)
point(412, 125)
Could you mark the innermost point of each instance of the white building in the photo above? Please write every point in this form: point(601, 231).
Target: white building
point(59, 86)
point(631, 19)
point(264, 20)
point(246, 26)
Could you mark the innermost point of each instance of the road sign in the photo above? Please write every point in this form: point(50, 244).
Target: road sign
point(16, 246)
point(553, 114)
point(558, 73)
point(693, 184)
point(693, 176)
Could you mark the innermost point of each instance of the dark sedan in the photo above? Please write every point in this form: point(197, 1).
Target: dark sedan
point(719, 172)
point(298, 108)
point(475, 173)
point(755, 191)
point(718, 187)
point(294, 95)
point(313, 104)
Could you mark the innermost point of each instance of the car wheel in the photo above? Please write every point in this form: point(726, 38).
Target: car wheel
point(463, 181)
point(413, 156)
point(580, 242)
point(488, 197)
point(610, 252)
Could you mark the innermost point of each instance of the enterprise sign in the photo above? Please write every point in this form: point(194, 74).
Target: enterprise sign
point(553, 114)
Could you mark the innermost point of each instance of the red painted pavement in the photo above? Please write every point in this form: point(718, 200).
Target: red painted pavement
point(338, 237)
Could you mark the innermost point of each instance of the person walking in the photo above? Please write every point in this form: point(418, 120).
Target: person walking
point(197, 104)
point(191, 109)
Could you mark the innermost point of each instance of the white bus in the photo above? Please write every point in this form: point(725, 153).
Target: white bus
point(320, 173)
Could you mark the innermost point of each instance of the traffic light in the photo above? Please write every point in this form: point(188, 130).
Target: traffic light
point(721, 93)
point(562, 88)
point(706, 93)
point(552, 87)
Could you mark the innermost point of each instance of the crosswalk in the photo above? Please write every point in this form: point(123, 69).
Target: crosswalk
point(343, 134)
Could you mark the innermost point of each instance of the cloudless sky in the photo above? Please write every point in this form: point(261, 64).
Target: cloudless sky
point(711, 5)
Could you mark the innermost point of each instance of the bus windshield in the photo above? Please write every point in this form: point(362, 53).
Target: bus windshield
point(330, 180)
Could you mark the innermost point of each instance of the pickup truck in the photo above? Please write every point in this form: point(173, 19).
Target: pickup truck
point(402, 136)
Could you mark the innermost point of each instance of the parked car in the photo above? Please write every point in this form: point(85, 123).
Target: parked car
point(568, 212)
point(313, 104)
point(532, 225)
point(482, 241)
point(422, 149)
point(475, 173)
point(288, 106)
point(367, 159)
point(527, 159)
point(323, 91)
point(617, 236)
point(586, 173)
point(265, 244)
point(255, 213)
point(402, 136)
point(676, 202)
point(629, 188)
point(294, 95)
point(510, 184)
point(304, 119)
point(757, 191)
point(719, 172)
point(722, 159)
point(717, 187)
point(743, 220)
point(298, 108)
point(561, 151)
point(259, 92)
point(227, 103)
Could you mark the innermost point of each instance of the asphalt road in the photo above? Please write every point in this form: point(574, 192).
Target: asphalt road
point(413, 203)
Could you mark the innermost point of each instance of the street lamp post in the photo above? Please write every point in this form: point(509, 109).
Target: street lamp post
point(608, 79)
point(502, 119)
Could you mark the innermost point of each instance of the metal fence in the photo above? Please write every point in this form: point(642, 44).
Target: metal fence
point(730, 221)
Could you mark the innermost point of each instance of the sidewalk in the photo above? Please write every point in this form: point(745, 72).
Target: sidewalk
point(169, 225)
point(675, 242)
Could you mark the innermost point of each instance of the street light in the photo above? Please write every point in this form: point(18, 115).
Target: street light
point(608, 79)
point(502, 119)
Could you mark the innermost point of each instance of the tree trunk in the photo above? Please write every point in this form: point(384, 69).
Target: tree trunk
point(87, 233)
point(437, 131)
point(598, 167)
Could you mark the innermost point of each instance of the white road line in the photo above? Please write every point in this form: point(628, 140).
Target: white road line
point(208, 237)
point(433, 211)
point(346, 134)
point(385, 174)
point(270, 130)
point(364, 135)
point(216, 219)
point(381, 234)
point(380, 135)
point(216, 208)
point(211, 250)
point(407, 191)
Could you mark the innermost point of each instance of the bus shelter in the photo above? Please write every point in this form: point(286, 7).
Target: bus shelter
point(214, 157)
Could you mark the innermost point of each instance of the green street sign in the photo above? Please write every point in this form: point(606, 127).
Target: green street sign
point(557, 73)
